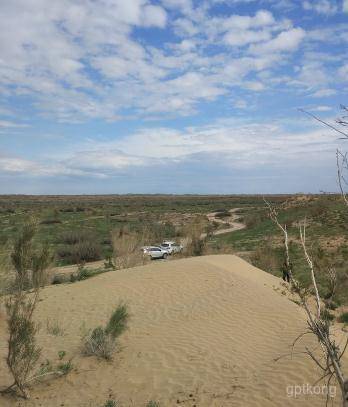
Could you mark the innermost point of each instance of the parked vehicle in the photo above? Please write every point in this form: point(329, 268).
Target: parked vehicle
point(155, 252)
point(171, 247)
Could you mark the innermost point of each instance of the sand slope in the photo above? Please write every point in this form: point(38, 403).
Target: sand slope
point(209, 327)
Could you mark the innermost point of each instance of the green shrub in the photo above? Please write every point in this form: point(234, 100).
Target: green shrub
point(101, 341)
point(83, 273)
point(65, 368)
point(98, 343)
point(343, 318)
point(61, 354)
point(118, 321)
point(30, 265)
point(326, 315)
point(152, 403)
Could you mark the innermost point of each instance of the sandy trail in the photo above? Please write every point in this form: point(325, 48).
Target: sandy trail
point(232, 221)
point(204, 332)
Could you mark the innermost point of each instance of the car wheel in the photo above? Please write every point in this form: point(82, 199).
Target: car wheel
point(164, 255)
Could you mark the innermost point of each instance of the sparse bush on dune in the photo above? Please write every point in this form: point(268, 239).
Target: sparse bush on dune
point(30, 265)
point(111, 403)
point(101, 341)
point(53, 328)
point(152, 403)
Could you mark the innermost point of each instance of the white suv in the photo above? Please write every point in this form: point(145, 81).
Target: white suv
point(171, 247)
point(155, 252)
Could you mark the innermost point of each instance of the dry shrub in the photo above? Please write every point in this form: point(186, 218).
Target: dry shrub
point(266, 257)
point(219, 248)
point(195, 243)
point(127, 246)
point(83, 251)
point(7, 273)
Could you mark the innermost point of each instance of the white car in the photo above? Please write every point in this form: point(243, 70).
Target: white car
point(155, 252)
point(171, 247)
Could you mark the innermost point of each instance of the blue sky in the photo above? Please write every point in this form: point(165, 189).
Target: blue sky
point(171, 96)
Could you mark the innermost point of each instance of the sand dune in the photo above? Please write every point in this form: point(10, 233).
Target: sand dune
point(204, 331)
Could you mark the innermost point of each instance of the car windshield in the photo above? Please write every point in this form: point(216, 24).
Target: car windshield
point(165, 244)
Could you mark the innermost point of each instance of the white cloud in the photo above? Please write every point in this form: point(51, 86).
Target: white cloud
point(262, 18)
point(183, 5)
point(240, 38)
point(84, 60)
point(255, 86)
point(154, 16)
point(345, 6)
point(17, 165)
point(322, 108)
point(343, 72)
point(233, 143)
point(321, 6)
point(321, 93)
point(11, 124)
point(285, 41)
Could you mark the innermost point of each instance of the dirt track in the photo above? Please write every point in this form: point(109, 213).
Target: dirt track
point(232, 221)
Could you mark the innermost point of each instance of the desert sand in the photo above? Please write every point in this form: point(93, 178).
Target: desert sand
point(204, 331)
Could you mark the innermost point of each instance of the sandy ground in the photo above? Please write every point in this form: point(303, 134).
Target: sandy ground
point(204, 331)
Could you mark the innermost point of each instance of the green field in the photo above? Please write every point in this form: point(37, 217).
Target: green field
point(97, 216)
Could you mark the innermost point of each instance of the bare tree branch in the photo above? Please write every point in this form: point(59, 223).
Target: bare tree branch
point(325, 123)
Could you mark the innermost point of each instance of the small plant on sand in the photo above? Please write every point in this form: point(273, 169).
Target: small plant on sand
point(61, 354)
point(101, 341)
point(109, 263)
point(152, 403)
point(111, 403)
point(65, 367)
point(30, 265)
point(53, 328)
point(47, 368)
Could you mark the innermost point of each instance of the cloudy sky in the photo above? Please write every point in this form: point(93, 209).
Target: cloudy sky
point(172, 96)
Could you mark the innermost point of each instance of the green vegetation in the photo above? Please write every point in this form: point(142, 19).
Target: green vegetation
point(78, 228)
point(343, 318)
point(327, 236)
point(81, 229)
point(101, 341)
